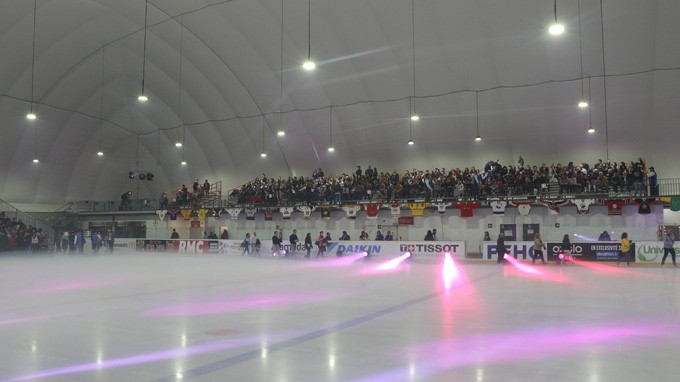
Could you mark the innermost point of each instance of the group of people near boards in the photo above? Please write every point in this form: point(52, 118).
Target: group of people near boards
point(566, 249)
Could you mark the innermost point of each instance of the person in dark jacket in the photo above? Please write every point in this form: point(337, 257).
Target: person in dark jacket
point(293, 239)
point(566, 250)
point(500, 249)
point(308, 244)
point(429, 236)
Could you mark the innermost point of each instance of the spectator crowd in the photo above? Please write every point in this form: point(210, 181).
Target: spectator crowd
point(18, 236)
point(492, 180)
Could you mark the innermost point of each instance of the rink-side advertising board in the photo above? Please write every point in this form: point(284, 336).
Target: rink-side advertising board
point(594, 251)
point(432, 251)
point(518, 249)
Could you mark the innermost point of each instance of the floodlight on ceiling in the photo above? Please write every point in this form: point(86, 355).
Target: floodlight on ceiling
point(183, 163)
point(35, 160)
point(478, 138)
point(142, 98)
point(410, 142)
point(309, 65)
point(281, 133)
point(263, 155)
point(331, 149)
point(556, 28)
point(583, 104)
point(591, 130)
point(100, 153)
point(31, 116)
point(415, 117)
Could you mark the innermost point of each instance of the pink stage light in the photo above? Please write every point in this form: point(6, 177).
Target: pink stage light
point(394, 263)
point(141, 358)
point(522, 267)
point(604, 268)
point(449, 271)
point(66, 287)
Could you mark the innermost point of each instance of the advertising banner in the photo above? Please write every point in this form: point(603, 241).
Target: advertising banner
point(124, 244)
point(651, 252)
point(522, 250)
point(432, 250)
point(146, 245)
point(593, 251)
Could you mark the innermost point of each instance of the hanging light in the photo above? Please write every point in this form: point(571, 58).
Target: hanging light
point(100, 153)
point(183, 163)
point(583, 103)
point(477, 137)
point(410, 142)
point(178, 144)
point(263, 154)
point(414, 114)
point(591, 129)
point(330, 130)
point(309, 63)
point(556, 28)
point(142, 97)
point(32, 115)
point(281, 132)
point(36, 160)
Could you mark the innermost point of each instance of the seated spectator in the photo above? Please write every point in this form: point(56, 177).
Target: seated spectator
point(604, 236)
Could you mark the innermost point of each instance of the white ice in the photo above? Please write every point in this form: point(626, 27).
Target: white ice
point(164, 317)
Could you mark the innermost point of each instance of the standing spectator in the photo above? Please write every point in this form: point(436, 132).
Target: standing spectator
point(174, 235)
point(429, 236)
point(206, 187)
point(276, 244)
point(163, 201)
point(388, 236)
point(64, 241)
point(538, 248)
point(255, 243)
point(308, 244)
point(668, 243)
point(320, 245)
point(604, 236)
point(487, 237)
point(80, 241)
point(653, 185)
point(293, 239)
point(500, 249)
point(345, 236)
point(224, 235)
point(625, 249)
point(379, 236)
point(246, 245)
point(566, 249)
point(434, 234)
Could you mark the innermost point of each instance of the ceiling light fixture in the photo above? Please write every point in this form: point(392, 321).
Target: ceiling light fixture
point(477, 137)
point(143, 97)
point(556, 28)
point(330, 129)
point(31, 115)
point(263, 154)
point(604, 84)
point(591, 129)
point(101, 103)
point(309, 64)
point(281, 131)
point(180, 143)
point(583, 103)
point(414, 114)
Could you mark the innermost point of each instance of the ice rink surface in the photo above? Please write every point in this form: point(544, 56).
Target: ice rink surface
point(164, 317)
